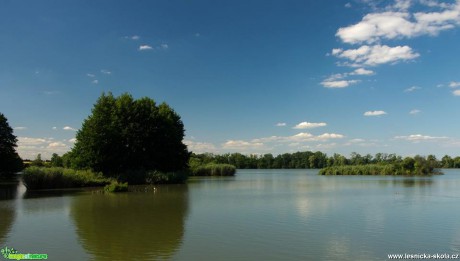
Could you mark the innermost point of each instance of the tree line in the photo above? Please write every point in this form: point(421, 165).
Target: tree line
point(316, 160)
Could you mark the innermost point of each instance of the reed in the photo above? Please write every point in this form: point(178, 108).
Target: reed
point(214, 169)
point(35, 178)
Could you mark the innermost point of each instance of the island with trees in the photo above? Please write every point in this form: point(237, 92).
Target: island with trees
point(137, 141)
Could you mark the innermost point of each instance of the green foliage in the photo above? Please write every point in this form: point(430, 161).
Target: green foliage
point(56, 161)
point(123, 134)
point(10, 162)
point(38, 162)
point(173, 177)
point(116, 187)
point(213, 169)
point(417, 166)
point(57, 177)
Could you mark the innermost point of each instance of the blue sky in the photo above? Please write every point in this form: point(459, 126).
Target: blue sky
point(245, 76)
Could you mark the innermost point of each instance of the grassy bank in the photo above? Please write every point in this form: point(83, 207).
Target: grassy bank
point(214, 170)
point(53, 178)
point(378, 169)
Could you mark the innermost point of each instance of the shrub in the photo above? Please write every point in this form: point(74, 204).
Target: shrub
point(58, 177)
point(116, 187)
point(175, 177)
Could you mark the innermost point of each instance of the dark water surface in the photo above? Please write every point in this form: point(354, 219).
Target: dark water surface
point(256, 215)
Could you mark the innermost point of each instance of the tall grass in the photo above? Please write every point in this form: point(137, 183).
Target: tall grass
point(52, 178)
point(375, 169)
point(213, 169)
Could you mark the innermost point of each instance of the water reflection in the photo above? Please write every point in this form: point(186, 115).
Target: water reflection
point(143, 225)
point(408, 182)
point(8, 190)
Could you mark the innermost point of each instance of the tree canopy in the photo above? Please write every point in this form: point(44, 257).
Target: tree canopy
point(124, 135)
point(10, 162)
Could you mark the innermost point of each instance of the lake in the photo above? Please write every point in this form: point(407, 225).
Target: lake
point(256, 215)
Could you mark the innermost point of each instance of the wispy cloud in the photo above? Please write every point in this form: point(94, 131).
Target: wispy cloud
point(29, 147)
point(106, 72)
point(19, 128)
point(68, 128)
point(362, 71)
point(375, 55)
point(411, 89)
point(374, 113)
point(200, 147)
point(145, 47)
point(309, 125)
point(338, 83)
point(280, 124)
point(415, 111)
point(454, 84)
point(95, 81)
point(456, 92)
point(419, 138)
point(241, 145)
point(164, 46)
point(90, 75)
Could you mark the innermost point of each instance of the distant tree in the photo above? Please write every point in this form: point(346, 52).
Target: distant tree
point(38, 161)
point(10, 162)
point(123, 135)
point(56, 161)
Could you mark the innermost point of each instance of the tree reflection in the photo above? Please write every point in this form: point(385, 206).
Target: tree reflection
point(8, 190)
point(143, 225)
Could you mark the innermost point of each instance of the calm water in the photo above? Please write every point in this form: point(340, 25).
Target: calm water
point(256, 215)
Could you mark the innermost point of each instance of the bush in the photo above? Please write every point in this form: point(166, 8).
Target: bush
point(213, 169)
point(57, 177)
point(158, 177)
point(116, 187)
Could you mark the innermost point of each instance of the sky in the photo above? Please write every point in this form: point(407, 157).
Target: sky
point(254, 77)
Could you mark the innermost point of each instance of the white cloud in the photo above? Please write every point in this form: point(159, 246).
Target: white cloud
point(68, 128)
point(348, 5)
point(374, 113)
point(145, 47)
point(53, 145)
point(241, 145)
point(280, 124)
point(327, 136)
point(95, 81)
point(54, 128)
point(397, 22)
point(456, 92)
point(309, 125)
point(20, 128)
point(135, 37)
point(362, 71)
point(90, 75)
point(73, 140)
point(164, 46)
point(106, 72)
point(200, 147)
point(376, 55)
point(411, 89)
point(338, 84)
point(454, 84)
point(29, 147)
point(419, 137)
point(415, 111)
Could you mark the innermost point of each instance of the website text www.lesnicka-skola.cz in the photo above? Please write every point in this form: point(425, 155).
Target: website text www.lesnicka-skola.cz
point(424, 256)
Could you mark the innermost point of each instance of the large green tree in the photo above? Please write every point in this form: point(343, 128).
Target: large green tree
point(124, 135)
point(10, 162)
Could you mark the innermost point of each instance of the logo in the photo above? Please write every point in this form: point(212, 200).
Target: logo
point(12, 254)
